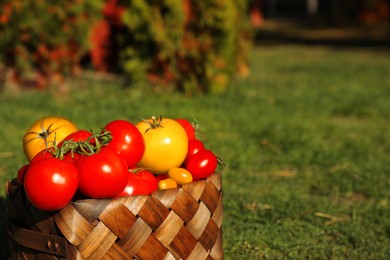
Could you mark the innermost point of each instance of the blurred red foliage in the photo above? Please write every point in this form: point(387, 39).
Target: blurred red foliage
point(103, 52)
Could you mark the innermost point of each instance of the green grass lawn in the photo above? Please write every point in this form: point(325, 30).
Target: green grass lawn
point(306, 139)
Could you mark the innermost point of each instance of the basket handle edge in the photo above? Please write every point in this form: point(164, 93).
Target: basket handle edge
point(40, 242)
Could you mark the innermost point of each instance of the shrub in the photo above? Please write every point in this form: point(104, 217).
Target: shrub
point(194, 46)
point(43, 39)
point(197, 46)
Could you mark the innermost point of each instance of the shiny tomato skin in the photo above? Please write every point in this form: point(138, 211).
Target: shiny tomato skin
point(44, 132)
point(165, 146)
point(188, 127)
point(194, 146)
point(180, 175)
point(51, 183)
point(166, 184)
point(102, 175)
point(126, 140)
point(143, 182)
point(202, 164)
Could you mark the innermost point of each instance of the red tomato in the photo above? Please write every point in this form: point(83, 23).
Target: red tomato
point(194, 146)
point(51, 183)
point(72, 157)
point(188, 127)
point(126, 140)
point(78, 136)
point(102, 175)
point(21, 173)
point(44, 154)
point(141, 183)
point(202, 164)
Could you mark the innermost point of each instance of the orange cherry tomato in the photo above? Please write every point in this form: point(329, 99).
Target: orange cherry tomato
point(180, 175)
point(167, 183)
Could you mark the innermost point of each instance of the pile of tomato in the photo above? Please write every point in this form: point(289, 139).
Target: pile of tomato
point(121, 159)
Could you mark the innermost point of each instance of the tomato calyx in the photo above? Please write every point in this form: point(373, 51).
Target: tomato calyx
point(136, 170)
point(44, 132)
point(155, 123)
point(220, 161)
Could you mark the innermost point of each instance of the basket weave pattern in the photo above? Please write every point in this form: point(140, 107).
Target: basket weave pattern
point(182, 223)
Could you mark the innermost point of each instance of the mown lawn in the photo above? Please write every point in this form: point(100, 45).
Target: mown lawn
point(306, 139)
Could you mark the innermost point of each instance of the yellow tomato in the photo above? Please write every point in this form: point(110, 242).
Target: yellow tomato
point(166, 144)
point(166, 184)
point(180, 175)
point(44, 132)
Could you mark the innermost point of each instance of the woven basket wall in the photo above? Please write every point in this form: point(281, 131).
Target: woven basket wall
point(182, 223)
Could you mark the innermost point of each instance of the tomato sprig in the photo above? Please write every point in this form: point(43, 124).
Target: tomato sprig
point(90, 146)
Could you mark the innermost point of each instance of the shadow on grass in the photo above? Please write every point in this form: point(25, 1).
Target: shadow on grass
point(272, 38)
point(3, 231)
point(304, 33)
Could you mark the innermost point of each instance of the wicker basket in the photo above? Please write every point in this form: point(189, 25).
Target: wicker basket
point(182, 223)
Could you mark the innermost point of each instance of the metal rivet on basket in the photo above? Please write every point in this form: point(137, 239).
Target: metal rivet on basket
point(52, 246)
point(56, 246)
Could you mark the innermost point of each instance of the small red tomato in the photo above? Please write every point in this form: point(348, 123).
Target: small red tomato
point(102, 175)
point(141, 183)
point(194, 146)
point(202, 164)
point(188, 127)
point(127, 140)
point(51, 183)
